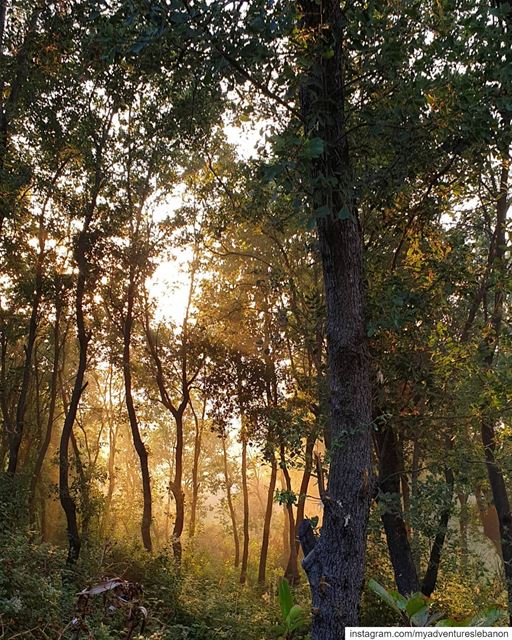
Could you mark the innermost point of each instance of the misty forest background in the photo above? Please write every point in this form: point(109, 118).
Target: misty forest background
point(174, 178)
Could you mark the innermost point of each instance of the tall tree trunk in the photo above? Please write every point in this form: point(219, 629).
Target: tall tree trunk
point(7, 420)
point(112, 443)
point(229, 498)
point(335, 566)
point(113, 430)
point(406, 578)
point(430, 578)
point(490, 348)
point(176, 410)
point(198, 436)
point(267, 522)
point(286, 529)
point(138, 443)
point(304, 485)
point(245, 494)
point(415, 473)
point(51, 409)
point(66, 499)
point(83, 482)
point(21, 409)
point(84, 337)
point(292, 570)
point(178, 493)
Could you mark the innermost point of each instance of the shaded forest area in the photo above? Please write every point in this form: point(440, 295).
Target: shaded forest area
point(254, 317)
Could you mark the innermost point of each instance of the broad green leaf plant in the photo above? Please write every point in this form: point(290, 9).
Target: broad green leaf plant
point(293, 618)
point(414, 610)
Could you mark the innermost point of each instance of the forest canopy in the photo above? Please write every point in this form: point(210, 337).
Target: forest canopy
point(254, 317)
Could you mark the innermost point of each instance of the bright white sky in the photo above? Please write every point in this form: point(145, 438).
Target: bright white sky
point(170, 283)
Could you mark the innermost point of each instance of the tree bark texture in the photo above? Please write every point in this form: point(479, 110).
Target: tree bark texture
point(335, 566)
point(490, 348)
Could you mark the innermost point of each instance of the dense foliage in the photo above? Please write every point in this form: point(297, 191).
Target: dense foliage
point(254, 310)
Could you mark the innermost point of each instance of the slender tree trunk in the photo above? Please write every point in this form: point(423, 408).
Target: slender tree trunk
point(404, 482)
point(267, 522)
point(178, 493)
point(198, 435)
point(66, 499)
point(286, 528)
point(430, 578)
point(335, 566)
point(406, 578)
point(138, 443)
point(245, 493)
point(21, 408)
point(51, 410)
point(415, 473)
point(112, 443)
point(85, 503)
point(229, 498)
point(113, 430)
point(176, 410)
point(292, 570)
point(84, 337)
point(304, 485)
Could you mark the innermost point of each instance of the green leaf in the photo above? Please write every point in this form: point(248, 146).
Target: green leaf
point(400, 600)
point(313, 148)
point(419, 619)
point(415, 603)
point(285, 597)
point(295, 618)
point(486, 619)
point(384, 595)
point(447, 622)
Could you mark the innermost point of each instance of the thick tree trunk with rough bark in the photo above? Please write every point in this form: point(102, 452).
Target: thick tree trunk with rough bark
point(335, 566)
point(489, 347)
